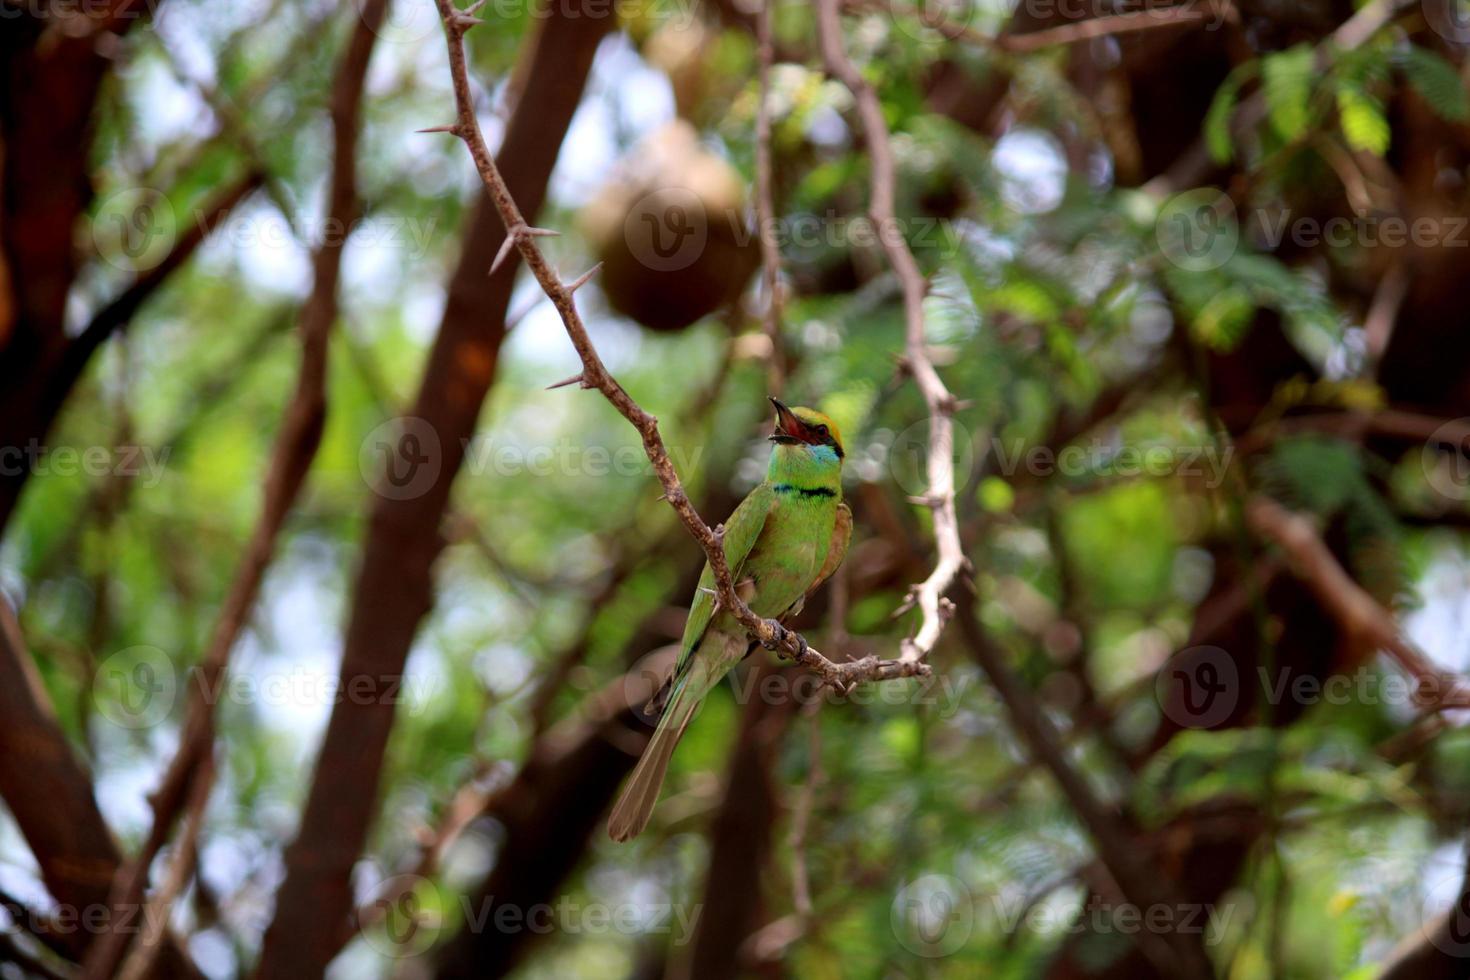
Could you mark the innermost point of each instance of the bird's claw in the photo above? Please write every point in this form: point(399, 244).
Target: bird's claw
point(801, 647)
point(779, 636)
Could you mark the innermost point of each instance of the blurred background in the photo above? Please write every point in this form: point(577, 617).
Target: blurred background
point(325, 627)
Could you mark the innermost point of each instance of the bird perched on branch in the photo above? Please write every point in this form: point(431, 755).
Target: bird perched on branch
point(783, 541)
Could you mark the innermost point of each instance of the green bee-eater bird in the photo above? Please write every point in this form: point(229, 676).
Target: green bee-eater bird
point(785, 539)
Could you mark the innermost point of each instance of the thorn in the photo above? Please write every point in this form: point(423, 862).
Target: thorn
point(505, 247)
point(662, 497)
point(514, 235)
point(580, 281)
point(474, 7)
point(710, 592)
point(462, 22)
point(567, 381)
point(451, 128)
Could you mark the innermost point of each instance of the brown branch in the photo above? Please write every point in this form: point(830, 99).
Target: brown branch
point(1355, 610)
point(521, 236)
point(1389, 423)
point(49, 793)
point(550, 812)
point(1184, 15)
point(765, 206)
point(155, 914)
point(120, 310)
point(393, 588)
point(31, 966)
point(801, 891)
point(934, 608)
point(741, 840)
point(1436, 949)
point(1173, 953)
point(295, 449)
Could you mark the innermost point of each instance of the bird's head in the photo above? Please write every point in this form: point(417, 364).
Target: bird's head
point(807, 443)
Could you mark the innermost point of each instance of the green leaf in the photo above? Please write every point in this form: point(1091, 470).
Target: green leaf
point(1363, 121)
point(1223, 321)
point(1218, 138)
point(1438, 82)
point(1287, 80)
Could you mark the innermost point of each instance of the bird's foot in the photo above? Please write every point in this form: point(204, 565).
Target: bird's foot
point(779, 636)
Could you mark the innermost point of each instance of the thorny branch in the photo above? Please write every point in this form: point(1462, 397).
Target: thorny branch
point(594, 374)
point(928, 595)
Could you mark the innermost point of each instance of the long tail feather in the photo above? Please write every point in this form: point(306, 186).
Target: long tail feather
point(635, 805)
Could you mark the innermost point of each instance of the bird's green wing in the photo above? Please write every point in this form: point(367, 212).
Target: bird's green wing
point(741, 530)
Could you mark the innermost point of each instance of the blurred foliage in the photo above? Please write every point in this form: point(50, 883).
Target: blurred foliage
point(1051, 293)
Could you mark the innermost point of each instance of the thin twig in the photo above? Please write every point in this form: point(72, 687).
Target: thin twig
point(595, 375)
point(801, 890)
point(1186, 14)
point(934, 608)
point(139, 963)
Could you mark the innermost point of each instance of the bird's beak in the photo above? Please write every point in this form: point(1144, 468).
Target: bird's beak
point(789, 428)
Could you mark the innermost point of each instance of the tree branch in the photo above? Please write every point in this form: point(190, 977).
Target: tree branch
point(934, 608)
point(1173, 953)
point(295, 449)
point(522, 237)
point(1357, 611)
point(765, 206)
point(120, 310)
point(49, 793)
point(393, 589)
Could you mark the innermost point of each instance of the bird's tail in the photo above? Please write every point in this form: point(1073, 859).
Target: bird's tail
point(630, 814)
